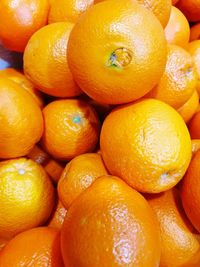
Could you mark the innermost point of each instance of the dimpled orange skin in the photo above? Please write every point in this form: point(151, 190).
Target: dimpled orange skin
point(38, 247)
point(150, 143)
point(190, 107)
point(71, 128)
point(194, 126)
point(78, 175)
point(122, 56)
point(47, 47)
point(195, 146)
point(20, 79)
point(190, 8)
point(19, 20)
point(114, 226)
point(190, 191)
point(194, 49)
point(21, 120)
point(177, 31)
point(27, 196)
point(62, 10)
point(195, 32)
point(179, 80)
point(58, 216)
point(179, 245)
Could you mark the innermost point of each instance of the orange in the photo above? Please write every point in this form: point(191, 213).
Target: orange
point(78, 175)
point(195, 146)
point(194, 126)
point(62, 10)
point(3, 242)
point(122, 56)
point(19, 20)
point(20, 79)
point(71, 128)
point(194, 50)
point(27, 196)
point(21, 120)
point(174, 2)
point(38, 247)
point(177, 31)
point(147, 144)
point(195, 32)
point(38, 155)
point(47, 47)
point(114, 226)
point(190, 191)
point(58, 216)
point(179, 245)
point(190, 107)
point(190, 8)
point(179, 80)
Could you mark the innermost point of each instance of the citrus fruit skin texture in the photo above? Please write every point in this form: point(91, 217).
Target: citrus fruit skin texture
point(191, 9)
point(179, 80)
point(195, 146)
point(150, 143)
point(27, 196)
point(114, 226)
point(78, 175)
point(121, 56)
point(38, 247)
point(21, 120)
point(177, 31)
point(71, 128)
point(190, 191)
point(58, 216)
point(179, 245)
point(19, 20)
point(47, 47)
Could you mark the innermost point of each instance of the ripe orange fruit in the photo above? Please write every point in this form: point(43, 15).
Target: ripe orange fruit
point(78, 175)
point(179, 245)
point(21, 120)
point(174, 2)
point(179, 80)
point(195, 32)
point(114, 225)
point(133, 59)
point(38, 247)
point(177, 31)
point(194, 50)
point(27, 196)
point(3, 242)
point(147, 144)
point(190, 107)
point(190, 8)
point(62, 10)
point(38, 155)
point(190, 191)
point(71, 128)
point(19, 20)
point(195, 146)
point(47, 47)
point(58, 216)
point(194, 126)
point(20, 79)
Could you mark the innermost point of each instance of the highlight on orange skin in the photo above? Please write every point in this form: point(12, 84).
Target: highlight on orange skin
point(195, 146)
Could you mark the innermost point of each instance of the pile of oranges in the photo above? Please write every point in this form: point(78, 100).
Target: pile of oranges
point(100, 134)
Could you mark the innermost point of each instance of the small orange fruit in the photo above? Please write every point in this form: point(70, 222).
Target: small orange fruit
point(195, 32)
point(21, 120)
point(179, 80)
point(21, 79)
point(71, 128)
point(179, 245)
point(114, 226)
point(38, 155)
point(3, 242)
point(147, 144)
point(190, 191)
point(54, 169)
point(122, 56)
point(62, 10)
point(27, 196)
point(195, 146)
point(190, 107)
point(58, 216)
point(78, 175)
point(194, 126)
point(177, 31)
point(19, 20)
point(190, 8)
point(38, 247)
point(174, 2)
point(47, 47)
